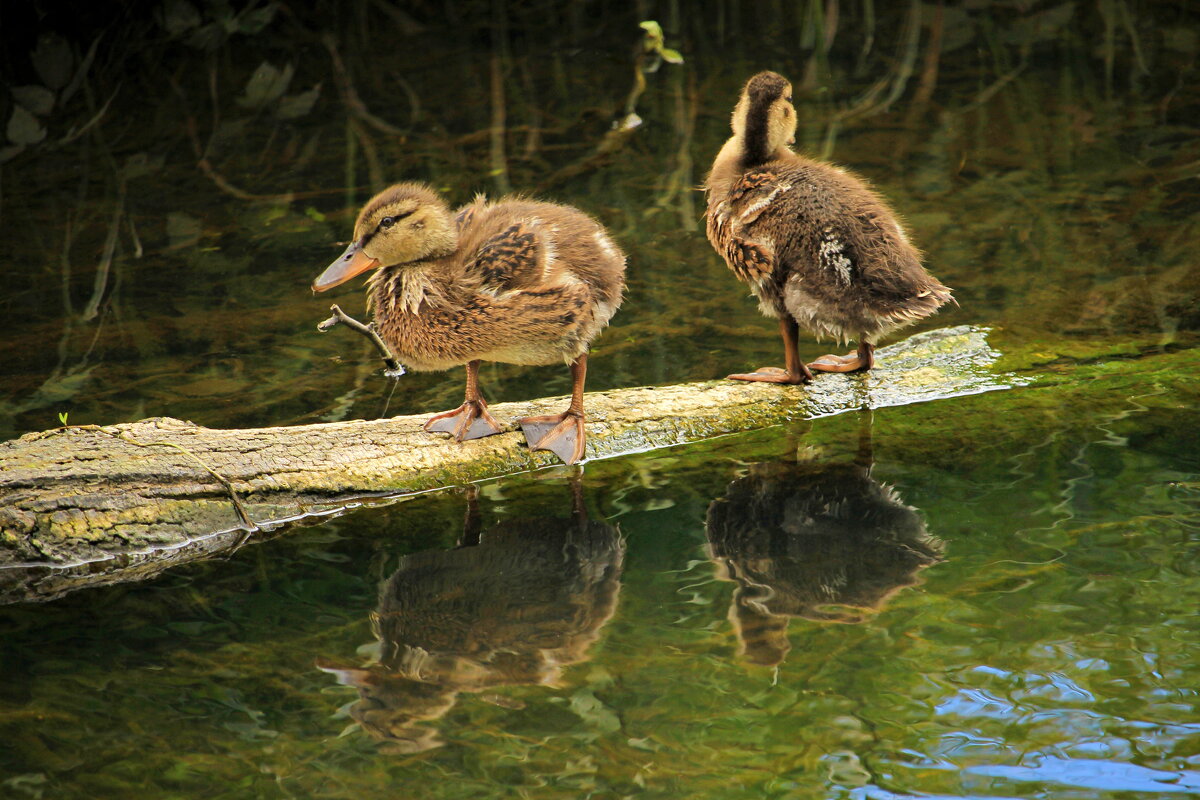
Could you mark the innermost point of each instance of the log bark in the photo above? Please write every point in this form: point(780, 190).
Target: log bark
point(94, 504)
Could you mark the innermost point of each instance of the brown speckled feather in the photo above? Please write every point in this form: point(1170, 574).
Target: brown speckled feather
point(529, 283)
point(816, 242)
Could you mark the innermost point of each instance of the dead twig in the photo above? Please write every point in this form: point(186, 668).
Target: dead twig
point(248, 523)
point(394, 368)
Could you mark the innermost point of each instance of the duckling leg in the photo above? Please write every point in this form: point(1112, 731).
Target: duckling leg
point(471, 420)
point(561, 434)
point(795, 372)
point(861, 361)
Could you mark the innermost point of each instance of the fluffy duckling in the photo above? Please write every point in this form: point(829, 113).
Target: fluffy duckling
point(516, 281)
point(818, 247)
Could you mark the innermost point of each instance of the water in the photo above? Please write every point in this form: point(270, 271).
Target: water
point(992, 596)
point(1018, 623)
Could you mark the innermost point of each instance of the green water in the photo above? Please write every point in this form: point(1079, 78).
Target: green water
point(992, 596)
point(1019, 622)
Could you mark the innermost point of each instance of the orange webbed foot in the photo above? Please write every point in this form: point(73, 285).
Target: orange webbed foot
point(561, 434)
point(831, 363)
point(772, 375)
point(471, 420)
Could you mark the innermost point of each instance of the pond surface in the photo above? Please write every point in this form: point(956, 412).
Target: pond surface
point(992, 596)
point(760, 616)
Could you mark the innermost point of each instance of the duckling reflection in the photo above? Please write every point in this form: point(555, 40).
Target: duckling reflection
point(811, 540)
point(513, 606)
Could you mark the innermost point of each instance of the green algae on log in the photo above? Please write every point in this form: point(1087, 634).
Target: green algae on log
point(97, 504)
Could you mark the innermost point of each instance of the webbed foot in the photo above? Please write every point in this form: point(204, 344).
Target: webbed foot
point(832, 363)
point(471, 420)
point(561, 434)
point(773, 375)
point(859, 361)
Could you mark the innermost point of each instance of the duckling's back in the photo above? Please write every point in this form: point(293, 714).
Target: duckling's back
point(528, 244)
point(817, 242)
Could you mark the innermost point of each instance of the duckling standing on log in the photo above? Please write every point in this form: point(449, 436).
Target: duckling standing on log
point(516, 281)
point(818, 247)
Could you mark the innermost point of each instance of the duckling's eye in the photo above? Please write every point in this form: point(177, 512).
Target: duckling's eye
point(788, 98)
point(388, 222)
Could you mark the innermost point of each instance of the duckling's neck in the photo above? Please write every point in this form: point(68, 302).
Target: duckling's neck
point(755, 139)
point(734, 161)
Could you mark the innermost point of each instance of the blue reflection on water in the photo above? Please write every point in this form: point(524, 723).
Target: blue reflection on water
point(1093, 774)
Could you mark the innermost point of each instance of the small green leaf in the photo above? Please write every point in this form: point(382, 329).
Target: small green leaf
point(179, 16)
point(52, 59)
point(294, 106)
point(253, 20)
point(652, 29)
point(36, 99)
point(23, 128)
point(266, 85)
point(594, 713)
point(671, 56)
point(62, 417)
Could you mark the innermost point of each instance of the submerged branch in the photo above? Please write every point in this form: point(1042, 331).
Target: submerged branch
point(350, 97)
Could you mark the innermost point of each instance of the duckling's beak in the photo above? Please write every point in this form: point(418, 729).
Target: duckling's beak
point(350, 263)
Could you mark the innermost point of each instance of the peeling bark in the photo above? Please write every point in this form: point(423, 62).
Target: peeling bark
point(97, 504)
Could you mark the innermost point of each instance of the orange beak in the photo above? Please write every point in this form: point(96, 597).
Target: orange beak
point(350, 263)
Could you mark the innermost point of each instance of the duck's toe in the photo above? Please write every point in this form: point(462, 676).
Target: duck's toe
point(468, 421)
point(770, 375)
point(832, 363)
point(561, 434)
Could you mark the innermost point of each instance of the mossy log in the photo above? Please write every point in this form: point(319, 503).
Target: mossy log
point(93, 504)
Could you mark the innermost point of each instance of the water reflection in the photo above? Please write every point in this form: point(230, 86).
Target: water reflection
point(512, 605)
point(816, 540)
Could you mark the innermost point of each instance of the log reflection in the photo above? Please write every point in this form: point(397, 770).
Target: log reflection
point(826, 542)
point(513, 605)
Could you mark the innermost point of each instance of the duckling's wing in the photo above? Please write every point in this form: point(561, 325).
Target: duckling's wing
point(509, 259)
point(731, 217)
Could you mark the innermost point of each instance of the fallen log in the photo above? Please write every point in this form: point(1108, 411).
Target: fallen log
point(82, 505)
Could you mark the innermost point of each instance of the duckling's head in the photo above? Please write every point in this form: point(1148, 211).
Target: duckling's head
point(764, 118)
point(402, 224)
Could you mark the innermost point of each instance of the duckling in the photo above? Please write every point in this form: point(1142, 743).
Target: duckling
point(818, 247)
point(516, 281)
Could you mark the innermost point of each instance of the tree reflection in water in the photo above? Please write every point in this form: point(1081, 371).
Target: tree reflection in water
point(513, 605)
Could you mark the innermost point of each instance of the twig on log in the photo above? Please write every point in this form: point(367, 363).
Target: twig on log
point(248, 523)
point(394, 368)
point(233, 496)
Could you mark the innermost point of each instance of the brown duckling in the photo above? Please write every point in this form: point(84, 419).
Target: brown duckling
point(818, 247)
point(517, 281)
